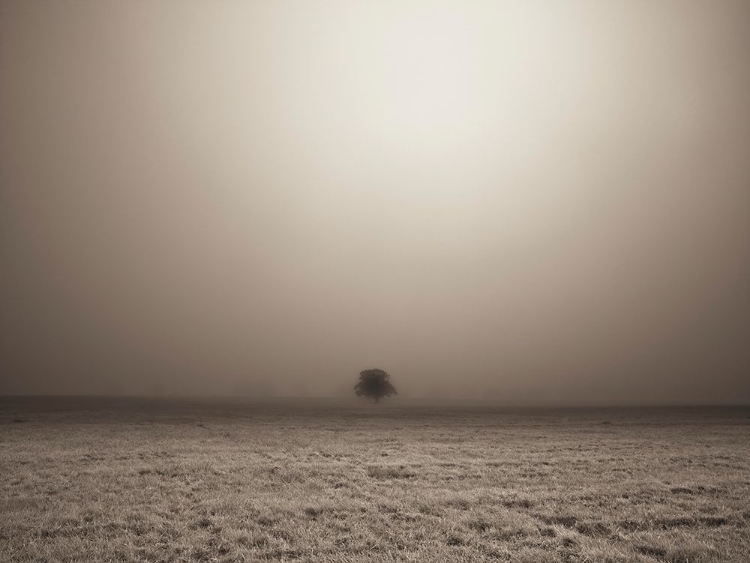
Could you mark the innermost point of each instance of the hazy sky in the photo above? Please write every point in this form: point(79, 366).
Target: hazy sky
point(539, 201)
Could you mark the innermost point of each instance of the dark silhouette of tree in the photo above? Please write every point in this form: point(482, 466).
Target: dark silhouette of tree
point(374, 384)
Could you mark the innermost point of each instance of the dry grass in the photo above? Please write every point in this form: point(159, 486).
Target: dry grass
point(159, 481)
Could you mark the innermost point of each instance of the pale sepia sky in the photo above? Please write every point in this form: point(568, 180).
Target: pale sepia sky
point(534, 201)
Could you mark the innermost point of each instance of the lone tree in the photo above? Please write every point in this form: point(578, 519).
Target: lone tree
point(374, 384)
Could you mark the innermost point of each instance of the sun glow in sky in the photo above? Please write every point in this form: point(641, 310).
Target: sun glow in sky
point(425, 82)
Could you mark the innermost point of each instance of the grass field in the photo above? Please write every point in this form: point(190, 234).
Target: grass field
point(157, 480)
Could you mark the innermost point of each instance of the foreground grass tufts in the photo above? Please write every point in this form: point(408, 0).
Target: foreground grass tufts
point(234, 483)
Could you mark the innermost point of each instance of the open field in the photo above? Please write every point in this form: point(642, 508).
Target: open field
point(148, 480)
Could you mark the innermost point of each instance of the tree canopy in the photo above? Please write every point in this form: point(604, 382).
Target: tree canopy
point(374, 384)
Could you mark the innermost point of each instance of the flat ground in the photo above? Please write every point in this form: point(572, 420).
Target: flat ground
point(148, 480)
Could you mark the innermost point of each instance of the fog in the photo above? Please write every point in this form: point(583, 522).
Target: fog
point(524, 201)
